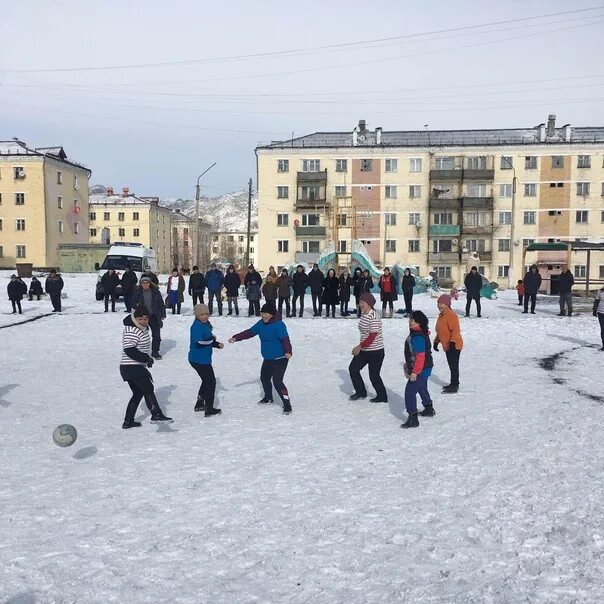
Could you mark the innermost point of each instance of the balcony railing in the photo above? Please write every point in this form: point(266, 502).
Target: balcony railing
point(312, 176)
point(444, 230)
point(307, 257)
point(477, 202)
point(473, 229)
point(478, 174)
point(443, 257)
point(454, 203)
point(310, 203)
point(310, 231)
point(446, 174)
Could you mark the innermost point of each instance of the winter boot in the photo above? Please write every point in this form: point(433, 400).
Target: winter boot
point(390, 314)
point(159, 418)
point(156, 355)
point(450, 389)
point(132, 424)
point(265, 401)
point(378, 400)
point(356, 396)
point(411, 421)
point(428, 411)
point(200, 405)
point(287, 408)
point(211, 411)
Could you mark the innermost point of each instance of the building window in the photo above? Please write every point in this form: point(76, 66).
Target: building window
point(415, 191)
point(414, 218)
point(121, 232)
point(135, 215)
point(443, 272)
point(414, 245)
point(251, 238)
point(342, 220)
point(583, 188)
point(391, 165)
point(311, 247)
point(20, 224)
point(342, 246)
point(251, 250)
point(106, 216)
point(390, 219)
point(1, 252)
point(366, 188)
point(530, 190)
point(366, 165)
point(214, 250)
point(443, 218)
point(59, 177)
point(557, 161)
point(310, 220)
point(310, 193)
point(442, 245)
point(240, 238)
point(21, 252)
point(580, 270)
point(340, 191)
point(553, 185)
point(341, 165)
point(0, 224)
point(121, 216)
point(530, 162)
point(477, 163)
point(76, 228)
point(19, 199)
point(93, 232)
point(391, 245)
point(584, 161)
point(507, 163)
point(283, 165)
point(283, 246)
point(503, 270)
point(61, 226)
point(505, 218)
point(19, 173)
point(282, 192)
point(476, 190)
point(530, 217)
point(311, 165)
point(475, 219)
point(444, 163)
point(282, 220)
point(390, 192)
point(505, 190)
point(136, 232)
point(1, 195)
point(92, 216)
point(415, 164)
point(581, 216)
point(157, 233)
point(76, 182)
point(59, 202)
point(504, 245)
point(527, 242)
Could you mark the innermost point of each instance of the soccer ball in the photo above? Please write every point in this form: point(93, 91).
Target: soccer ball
point(65, 435)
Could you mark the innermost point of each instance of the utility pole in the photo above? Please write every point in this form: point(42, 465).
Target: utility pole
point(513, 219)
point(197, 196)
point(249, 221)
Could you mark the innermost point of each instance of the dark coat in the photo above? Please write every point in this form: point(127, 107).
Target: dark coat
point(363, 285)
point(253, 291)
point(197, 284)
point(345, 284)
point(181, 287)
point(158, 308)
point(54, 286)
point(110, 282)
point(473, 283)
point(408, 283)
point(269, 291)
point(129, 281)
point(253, 276)
point(283, 283)
point(315, 280)
point(330, 290)
point(532, 282)
point(35, 288)
point(390, 296)
point(232, 282)
point(151, 275)
point(300, 282)
point(566, 282)
point(16, 290)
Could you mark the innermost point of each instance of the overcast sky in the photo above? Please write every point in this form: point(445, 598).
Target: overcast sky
point(154, 127)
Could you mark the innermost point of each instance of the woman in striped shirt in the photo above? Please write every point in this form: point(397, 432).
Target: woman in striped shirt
point(370, 351)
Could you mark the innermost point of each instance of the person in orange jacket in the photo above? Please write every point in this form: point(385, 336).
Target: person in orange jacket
point(520, 290)
point(449, 335)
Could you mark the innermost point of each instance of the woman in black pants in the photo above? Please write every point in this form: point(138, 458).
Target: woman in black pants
point(408, 285)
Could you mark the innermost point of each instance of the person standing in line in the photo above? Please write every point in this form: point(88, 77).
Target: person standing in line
point(598, 311)
point(54, 286)
point(176, 290)
point(408, 285)
point(300, 283)
point(271, 272)
point(202, 341)
point(329, 297)
point(448, 333)
point(253, 275)
point(110, 280)
point(369, 351)
point(35, 289)
point(16, 289)
point(269, 290)
point(315, 282)
point(253, 294)
point(197, 286)
point(388, 295)
point(344, 285)
point(473, 283)
point(532, 283)
point(214, 282)
point(147, 293)
point(356, 278)
point(151, 275)
point(283, 283)
point(232, 283)
point(276, 351)
point(136, 346)
point(520, 290)
point(365, 285)
point(418, 367)
point(565, 291)
point(129, 281)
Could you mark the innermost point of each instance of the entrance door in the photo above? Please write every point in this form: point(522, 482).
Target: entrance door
point(554, 285)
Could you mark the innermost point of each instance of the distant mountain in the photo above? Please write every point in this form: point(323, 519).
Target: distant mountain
point(97, 190)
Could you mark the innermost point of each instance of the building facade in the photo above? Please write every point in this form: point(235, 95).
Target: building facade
point(43, 203)
point(231, 246)
point(437, 200)
point(184, 254)
point(127, 217)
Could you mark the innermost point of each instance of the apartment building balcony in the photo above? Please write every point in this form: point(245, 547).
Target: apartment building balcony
point(471, 229)
point(445, 203)
point(310, 231)
point(485, 256)
point(446, 174)
point(444, 230)
point(307, 257)
point(312, 177)
point(478, 174)
point(443, 257)
point(304, 203)
point(477, 202)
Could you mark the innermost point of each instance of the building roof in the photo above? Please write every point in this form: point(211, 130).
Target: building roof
point(124, 199)
point(16, 147)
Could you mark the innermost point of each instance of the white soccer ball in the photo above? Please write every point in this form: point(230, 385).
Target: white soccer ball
point(65, 435)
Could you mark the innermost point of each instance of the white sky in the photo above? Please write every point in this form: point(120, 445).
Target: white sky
point(156, 128)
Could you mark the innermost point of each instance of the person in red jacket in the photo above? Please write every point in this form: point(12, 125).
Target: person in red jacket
point(388, 295)
point(520, 290)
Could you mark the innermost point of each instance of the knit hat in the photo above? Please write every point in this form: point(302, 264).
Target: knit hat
point(141, 311)
point(269, 308)
point(145, 280)
point(368, 299)
point(444, 299)
point(201, 309)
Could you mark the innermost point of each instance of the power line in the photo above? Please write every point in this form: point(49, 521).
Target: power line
point(299, 50)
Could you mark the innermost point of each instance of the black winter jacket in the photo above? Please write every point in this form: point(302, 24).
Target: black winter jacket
point(300, 282)
point(283, 283)
point(35, 288)
point(129, 281)
point(54, 286)
point(197, 284)
point(330, 290)
point(158, 308)
point(16, 290)
point(345, 283)
point(110, 282)
point(363, 285)
point(532, 282)
point(408, 283)
point(315, 281)
point(473, 283)
point(253, 276)
point(232, 283)
point(566, 282)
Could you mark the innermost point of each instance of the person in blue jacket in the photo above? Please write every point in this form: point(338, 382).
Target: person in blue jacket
point(214, 283)
point(276, 351)
point(200, 358)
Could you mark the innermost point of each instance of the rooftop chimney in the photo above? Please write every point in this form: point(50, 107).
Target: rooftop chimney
point(125, 191)
point(551, 125)
point(541, 130)
point(362, 125)
point(378, 136)
point(355, 138)
point(109, 191)
point(567, 132)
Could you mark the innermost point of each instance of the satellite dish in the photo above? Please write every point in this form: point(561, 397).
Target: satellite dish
point(454, 241)
point(418, 224)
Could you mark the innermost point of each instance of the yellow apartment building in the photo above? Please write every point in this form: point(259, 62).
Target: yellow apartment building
point(437, 200)
point(127, 217)
point(43, 203)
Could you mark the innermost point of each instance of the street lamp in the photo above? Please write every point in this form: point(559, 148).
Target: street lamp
point(513, 219)
point(197, 192)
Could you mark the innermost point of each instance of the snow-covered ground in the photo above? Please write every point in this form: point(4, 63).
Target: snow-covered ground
point(496, 499)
